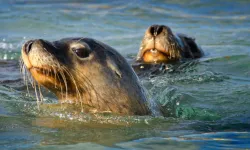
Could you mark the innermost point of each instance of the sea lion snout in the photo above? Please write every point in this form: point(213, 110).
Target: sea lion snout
point(39, 53)
point(155, 30)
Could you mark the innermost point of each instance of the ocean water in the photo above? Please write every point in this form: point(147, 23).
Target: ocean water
point(208, 99)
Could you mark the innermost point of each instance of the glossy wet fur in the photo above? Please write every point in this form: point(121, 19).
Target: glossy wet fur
point(161, 45)
point(88, 73)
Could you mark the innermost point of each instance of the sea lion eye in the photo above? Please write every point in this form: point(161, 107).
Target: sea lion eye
point(81, 52)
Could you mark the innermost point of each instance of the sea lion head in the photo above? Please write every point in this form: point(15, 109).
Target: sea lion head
point(159, 45)
point(87, 72)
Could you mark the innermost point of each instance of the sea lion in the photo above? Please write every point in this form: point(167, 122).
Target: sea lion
point(161, 45)
point(87, 72)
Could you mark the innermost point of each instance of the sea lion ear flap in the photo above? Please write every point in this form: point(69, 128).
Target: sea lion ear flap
point(112, 65)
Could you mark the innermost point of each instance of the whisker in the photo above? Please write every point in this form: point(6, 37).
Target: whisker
point(79, 40)
point(24, 74)
point(76, 87)
point(27, 78)
point(65, 83)
point(41, 95)
point(37, 98)
point(26, 82)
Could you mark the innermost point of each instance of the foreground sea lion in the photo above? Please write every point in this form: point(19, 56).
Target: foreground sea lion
point(161, 45)
point(86, 72)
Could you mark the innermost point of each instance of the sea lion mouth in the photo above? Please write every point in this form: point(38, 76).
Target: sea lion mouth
point(50, 77)
point(47, 71)
point(156, 56)
point(155, 51)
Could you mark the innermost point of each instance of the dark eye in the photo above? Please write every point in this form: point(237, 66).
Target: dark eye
point(81, 52)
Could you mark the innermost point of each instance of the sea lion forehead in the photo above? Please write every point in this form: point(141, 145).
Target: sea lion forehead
point(89, 43)
point(71, 41)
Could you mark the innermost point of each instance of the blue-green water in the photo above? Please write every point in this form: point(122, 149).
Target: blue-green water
point(208, 100)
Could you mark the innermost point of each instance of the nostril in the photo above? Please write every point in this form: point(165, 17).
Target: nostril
point(152, 29)
point(156, 30)
point(159, 30)
point(28, 46)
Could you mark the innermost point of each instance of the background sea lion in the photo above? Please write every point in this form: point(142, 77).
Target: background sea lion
point(161, 45)
point(86, 72)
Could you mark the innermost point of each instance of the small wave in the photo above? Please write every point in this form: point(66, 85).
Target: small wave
point(213, 17)
point(173, 12)
point(224, 140)
point(207, 76)
point(184, 78)
point(70, 113)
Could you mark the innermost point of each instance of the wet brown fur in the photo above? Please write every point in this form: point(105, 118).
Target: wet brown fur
point(101, 82)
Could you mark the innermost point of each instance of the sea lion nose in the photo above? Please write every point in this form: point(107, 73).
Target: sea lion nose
point(28, 46)
point(155, 29)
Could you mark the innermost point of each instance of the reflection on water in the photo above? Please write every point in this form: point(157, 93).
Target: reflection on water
point(207, 100)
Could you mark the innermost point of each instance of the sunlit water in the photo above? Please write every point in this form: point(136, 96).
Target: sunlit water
point(207, 100)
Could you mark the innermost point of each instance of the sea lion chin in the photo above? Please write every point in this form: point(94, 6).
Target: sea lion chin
point(86, 72)
point(161, 45)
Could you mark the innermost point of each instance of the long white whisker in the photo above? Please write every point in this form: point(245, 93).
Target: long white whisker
point(37, 98)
